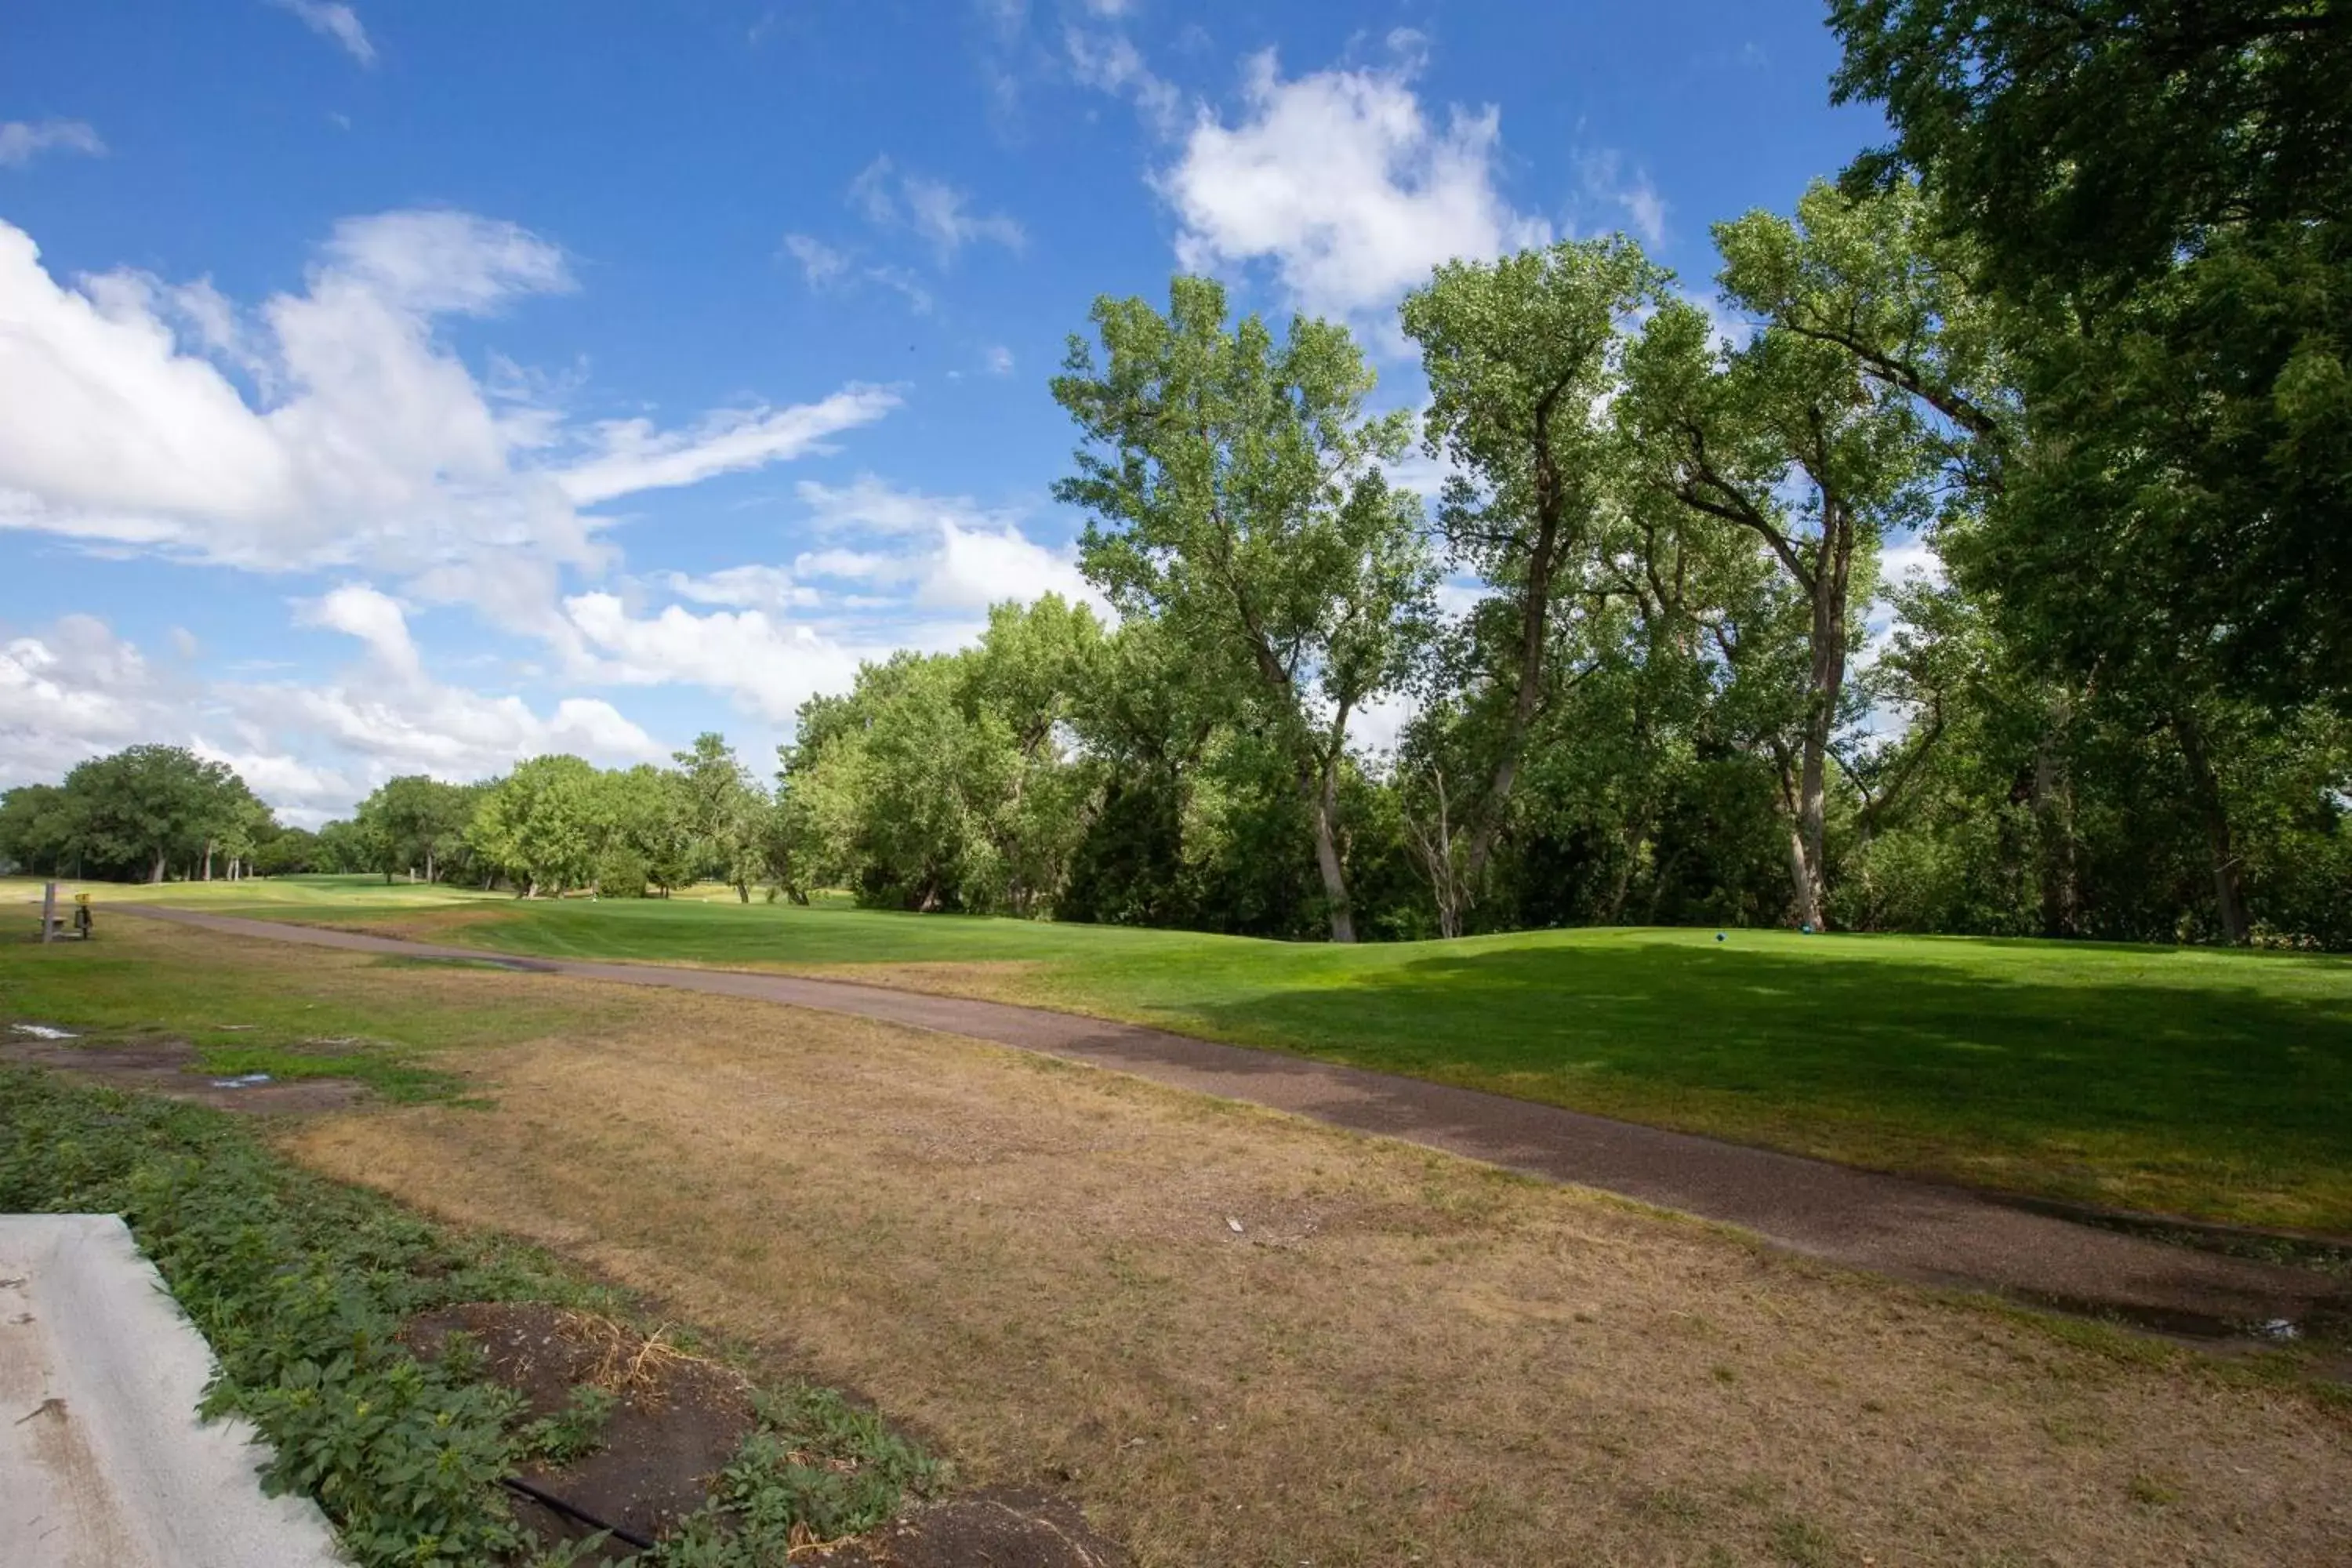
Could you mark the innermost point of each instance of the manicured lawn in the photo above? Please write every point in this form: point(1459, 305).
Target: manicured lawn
point(2195, 1082)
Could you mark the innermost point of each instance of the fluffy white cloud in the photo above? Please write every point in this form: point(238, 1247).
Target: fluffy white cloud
point(977, 567)
point(71, 692)
point(1343, 184)
point(367, 444)
point(999, 360)
point(912, 571)
point(75, 690)
point(770, 667)
point(21, 140)
point(335, 20)
point(357, 610)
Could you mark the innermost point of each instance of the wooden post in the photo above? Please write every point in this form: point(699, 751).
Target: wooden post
point(48, 911)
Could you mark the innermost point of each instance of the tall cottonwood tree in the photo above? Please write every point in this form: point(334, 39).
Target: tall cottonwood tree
point(1829, 430)
point(1234, 490)
point(1523, 357)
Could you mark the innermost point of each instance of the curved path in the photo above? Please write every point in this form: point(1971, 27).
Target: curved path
point(1917, 1229)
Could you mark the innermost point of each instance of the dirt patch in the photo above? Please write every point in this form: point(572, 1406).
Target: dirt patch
point(169, 1067)
point(999, 1528)
point(676, 1421)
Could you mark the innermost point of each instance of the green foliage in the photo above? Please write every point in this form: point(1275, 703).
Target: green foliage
point(572, 1433)
point(621, 873)
point(2159, 190)
point(946, 782)
point(140, 814)
point(815, 1466)
point(1235, 493)
point(543, 824)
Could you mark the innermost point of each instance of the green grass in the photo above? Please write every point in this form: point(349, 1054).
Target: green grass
point(2210, 1084)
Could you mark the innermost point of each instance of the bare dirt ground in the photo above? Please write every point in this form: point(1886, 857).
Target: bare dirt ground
point(1238, 1337)
point(169, 1067)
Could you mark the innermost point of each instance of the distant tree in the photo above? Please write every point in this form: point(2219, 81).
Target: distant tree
point(1234, 490)
point(414, 823)
point(725, 810)
point(35, 830)
point(289, 852)
point(139, 810)
point(544, 826)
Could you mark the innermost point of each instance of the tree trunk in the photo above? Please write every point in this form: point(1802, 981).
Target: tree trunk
point(428, 864)
point(2053, 817)
point(156, 876)
point(2205, 789)
point(1322, 801)
point(1824, 685)
point(209, 859)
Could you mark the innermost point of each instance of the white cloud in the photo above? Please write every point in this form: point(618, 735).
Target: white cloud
point(76, 690)
point(1109, 62)
point(999, 360)
point(935, 210)
point(332, 19)
point(752, 587)
point(908, 285)
point(71, 692)
point(1607, 183)
point(369, 445)
point(21, 140)
point(769, 667)
point(636, 457)
point(821, 264)
point(357, 610)
point(429, 262)
point(1341, 182)
point(977, 567)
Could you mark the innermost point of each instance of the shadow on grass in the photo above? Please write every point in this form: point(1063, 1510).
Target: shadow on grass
point(2206, 1079)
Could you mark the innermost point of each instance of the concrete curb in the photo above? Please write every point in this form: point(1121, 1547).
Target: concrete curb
point(103, 1458)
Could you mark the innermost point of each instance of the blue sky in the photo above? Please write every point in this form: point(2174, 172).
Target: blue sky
point(408, 385)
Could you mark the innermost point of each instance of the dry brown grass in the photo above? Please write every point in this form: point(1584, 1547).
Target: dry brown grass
point(1399, 1357)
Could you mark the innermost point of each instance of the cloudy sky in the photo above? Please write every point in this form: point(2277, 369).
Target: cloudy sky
point(416, 386)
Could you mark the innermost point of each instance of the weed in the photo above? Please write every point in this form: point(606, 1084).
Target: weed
point(572, 1433)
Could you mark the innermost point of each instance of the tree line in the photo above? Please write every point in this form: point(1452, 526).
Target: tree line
point(2076, 336)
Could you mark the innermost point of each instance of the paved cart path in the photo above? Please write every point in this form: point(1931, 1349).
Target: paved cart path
point(1916, 1229)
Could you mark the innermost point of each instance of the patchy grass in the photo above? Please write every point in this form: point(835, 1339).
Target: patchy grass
point(2201, 1083)
point(1399, 1355)
point(291, 1013)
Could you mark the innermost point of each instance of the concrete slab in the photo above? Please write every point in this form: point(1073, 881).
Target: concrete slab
point(103, 1463)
